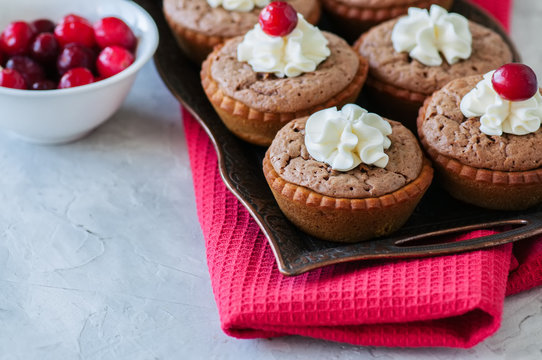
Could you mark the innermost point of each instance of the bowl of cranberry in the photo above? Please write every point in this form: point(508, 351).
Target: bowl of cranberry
point(66, 66)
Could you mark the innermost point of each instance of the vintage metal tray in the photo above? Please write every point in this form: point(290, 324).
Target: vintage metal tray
point(424, 234)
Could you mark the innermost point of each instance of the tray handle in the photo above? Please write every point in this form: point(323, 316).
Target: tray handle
point(521, 228)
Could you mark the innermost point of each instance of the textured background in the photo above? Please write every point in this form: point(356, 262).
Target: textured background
point(101, 255)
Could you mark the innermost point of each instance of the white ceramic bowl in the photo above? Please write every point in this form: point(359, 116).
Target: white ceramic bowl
point(63, 115)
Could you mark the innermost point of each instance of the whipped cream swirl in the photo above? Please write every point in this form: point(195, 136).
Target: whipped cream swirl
point(238, 5)
point(294, 54)
point(346, 138)
point(497, 115)
point(424, 35)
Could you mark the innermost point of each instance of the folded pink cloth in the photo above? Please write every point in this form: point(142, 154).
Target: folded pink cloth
point(454, 301)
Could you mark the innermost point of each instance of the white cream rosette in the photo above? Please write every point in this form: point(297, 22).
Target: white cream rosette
point(497, 115)
point(346, 138)
point(294, 54)
point(427, 34)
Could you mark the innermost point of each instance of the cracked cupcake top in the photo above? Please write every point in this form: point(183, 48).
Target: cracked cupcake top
point(292, 161)
point(267, 93)
point(199, 16)
point(450, 133)
point(489, 51)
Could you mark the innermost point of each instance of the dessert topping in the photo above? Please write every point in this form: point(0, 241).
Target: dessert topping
point(515, 82)
point(238, 5)
point(298, 52)
point(499, 115)
point(278, 19)
point(346, 138)
point(426, 34)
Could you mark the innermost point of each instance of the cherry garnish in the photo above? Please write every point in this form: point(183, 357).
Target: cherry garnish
point(113, 31)
point(75, 32)
point(45, 48)
point(12, 79)
point(76, 77)
point(112, 60)
point(515, 82)
point(74, 56)
point(16, 38)
point(30, 70)
point(278, 18)
point(43, 26)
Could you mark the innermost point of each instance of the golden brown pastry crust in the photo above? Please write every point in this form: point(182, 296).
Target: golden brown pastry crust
point(346, 220)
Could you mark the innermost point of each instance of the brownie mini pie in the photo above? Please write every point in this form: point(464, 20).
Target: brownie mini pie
point(483, 134)
point(411, 57)
point(356, 16)
point(199, 25)
point(346, 175)
point(259, 82)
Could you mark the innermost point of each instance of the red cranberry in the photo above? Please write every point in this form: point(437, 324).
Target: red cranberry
point(278, 18)
point(16, 38)
point(75, 18)
point(45, 48)
point(30, 70)
point(515, 82)
point(43, 85)
point(74, 56)
point(112, 60)
point(113, 31)
point(75, 32)
point(75, 77)
point(12, 79)
point(43, 26)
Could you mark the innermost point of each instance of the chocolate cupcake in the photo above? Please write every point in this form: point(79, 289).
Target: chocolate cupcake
point(256, 84)
point(353, 17)
point(403, 70)
point(487, 150)
point(346, 175)
point(199, 25)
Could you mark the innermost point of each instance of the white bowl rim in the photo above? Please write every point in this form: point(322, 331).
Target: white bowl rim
point(151, 37)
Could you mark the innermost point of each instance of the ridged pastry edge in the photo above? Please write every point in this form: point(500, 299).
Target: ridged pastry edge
point(301, 194)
